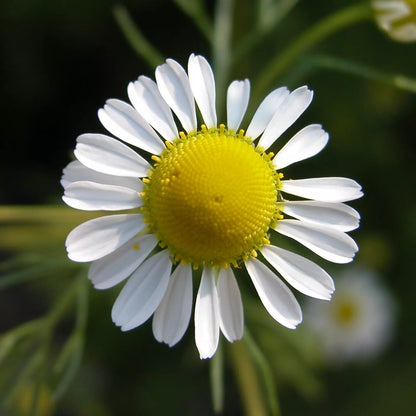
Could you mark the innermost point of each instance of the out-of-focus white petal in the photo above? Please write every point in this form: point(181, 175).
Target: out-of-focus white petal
point(91, 196)
point(330, 244)
point(202, 83)
point(173, 84)
point(107, 155)
point(394, 9)
point(266, 111)
point(330, 214)
point(287, 113)
point(146, 99)
point(207, 320)
point(122, 120)
point(121, 263)
point(274, 294)
point(143, 292)
point(231, 306)
point(238, 94)
point(171, 318)
point(76, 172)
point(404, 33)
point(391, 16)
point(332, 189)
point(301, 273)
point(306, 143)
point(101, 236)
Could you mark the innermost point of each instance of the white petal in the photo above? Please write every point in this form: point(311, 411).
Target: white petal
point(173, 84)
point(330, 214)
point(404, 33)
point(75, 172)
point(202, 83)
point(274, 294)
point(96, 238)
point(332, 189)
point(306, 143)
point(122, 120)
point(238, 94)
point(392, 10)
point(121, 263)
point(287, 113)
point(301, 273)
point(171, 318)
point(147, 100)
point(91, 196)
point(266, 111)
point(231, 306)
point(143, 292)
point(332, 245)
point(107, 155)
point(207, 320)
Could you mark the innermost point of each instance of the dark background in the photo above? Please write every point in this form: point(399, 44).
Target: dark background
point(60, 61)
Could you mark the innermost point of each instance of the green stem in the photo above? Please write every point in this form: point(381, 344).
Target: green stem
point(264, 369)
point(337, 64)
point(43, 325)
point(135, 37)
point(247, 380)
point(9, 339)
point(70, 358)
point(82, 304)
point(195, 10)
point(268, 19)
point(217, 379)
point(40, 374)
point(32, 272)
point(320, 31)
point(47, 214)
point(223, 25)
point(61, 305)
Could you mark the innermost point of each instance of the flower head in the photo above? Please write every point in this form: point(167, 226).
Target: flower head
point(207, 197)
point(358, 323)
point(397, 18)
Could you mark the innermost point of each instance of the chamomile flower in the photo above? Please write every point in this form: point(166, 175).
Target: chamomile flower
point(358, 324)
point(205, 197)
point(397, 18)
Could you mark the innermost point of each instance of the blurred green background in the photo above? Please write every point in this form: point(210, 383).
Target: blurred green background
point(60, 61)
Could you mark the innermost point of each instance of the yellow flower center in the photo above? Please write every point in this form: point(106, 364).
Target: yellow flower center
point(345, 311)
point(212, 197)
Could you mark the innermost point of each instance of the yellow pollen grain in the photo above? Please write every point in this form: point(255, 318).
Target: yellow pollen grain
point(136, 246)
point(212, 197)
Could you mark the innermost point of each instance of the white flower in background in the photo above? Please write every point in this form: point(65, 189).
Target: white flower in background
point(397, 18)
point(209, 198)
point(358, 323)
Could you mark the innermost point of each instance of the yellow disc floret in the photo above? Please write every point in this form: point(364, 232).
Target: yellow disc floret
point(212, 197)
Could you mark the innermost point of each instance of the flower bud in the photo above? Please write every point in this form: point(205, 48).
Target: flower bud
point(397, 18)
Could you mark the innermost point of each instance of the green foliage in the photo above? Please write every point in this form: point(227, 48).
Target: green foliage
point(364, 83)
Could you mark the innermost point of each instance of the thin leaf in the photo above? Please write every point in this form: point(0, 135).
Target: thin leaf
point(338, 64)
point(326, 27)
point(264, 369)
point(68, 364)
point(135, 37)
point(251, 392)
point(199, 16)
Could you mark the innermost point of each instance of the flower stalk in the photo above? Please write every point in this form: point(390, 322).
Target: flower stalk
point(307, 40)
